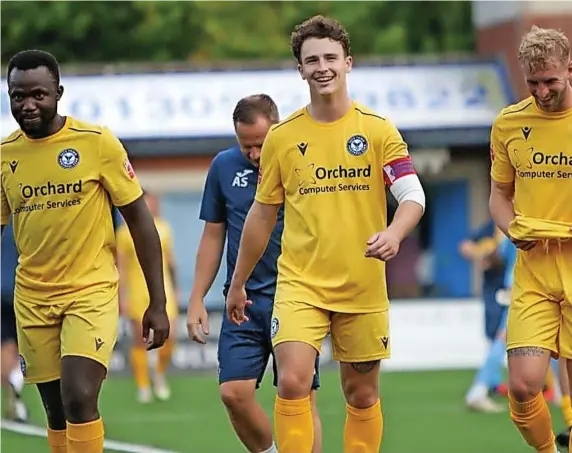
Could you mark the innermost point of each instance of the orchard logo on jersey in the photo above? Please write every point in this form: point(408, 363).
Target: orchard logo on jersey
point(315, 179)
point(129, 168)
point(60, 195)
point(534, 164)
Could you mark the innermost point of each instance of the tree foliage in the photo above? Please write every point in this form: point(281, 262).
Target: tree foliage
point(154, 31)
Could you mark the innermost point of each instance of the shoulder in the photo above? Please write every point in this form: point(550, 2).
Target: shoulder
point(369, 115)
point(14, 139)
point(285, 126)
point(225, 158)
point(76, 126)
point(514, 112)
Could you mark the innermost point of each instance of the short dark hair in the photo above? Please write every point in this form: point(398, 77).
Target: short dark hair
point(32, 59)
point(249, 108)
point(319, 27)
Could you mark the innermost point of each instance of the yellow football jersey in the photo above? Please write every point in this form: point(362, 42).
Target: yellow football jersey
point(59, 190)
point(331, 178)
point(533, 148)
point(138, 295)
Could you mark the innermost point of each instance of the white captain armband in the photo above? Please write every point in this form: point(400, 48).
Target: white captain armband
point(403, 182)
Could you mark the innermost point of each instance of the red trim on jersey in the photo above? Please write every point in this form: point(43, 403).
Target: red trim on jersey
point(397, 169)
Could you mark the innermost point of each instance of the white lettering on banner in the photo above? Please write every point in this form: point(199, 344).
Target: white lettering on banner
point(425, 335)
point(200, 104)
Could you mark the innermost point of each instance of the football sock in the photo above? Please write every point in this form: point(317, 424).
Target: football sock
point(165, 353)
point(532, 418)
point(57, 440)
point(566, 407)
point(86, 438)
point(140, 367)
point(363, 429)
point(294, 425)
point(272, 449)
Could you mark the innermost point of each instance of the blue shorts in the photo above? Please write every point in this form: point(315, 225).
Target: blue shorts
point(244, 351)
point(493, 312)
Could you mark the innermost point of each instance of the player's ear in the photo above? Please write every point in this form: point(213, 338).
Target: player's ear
point(349, 63)
point(59, 93)
point(301, 72)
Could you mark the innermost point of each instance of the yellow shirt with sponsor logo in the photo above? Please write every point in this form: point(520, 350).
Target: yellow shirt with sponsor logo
point(533, 148)
point(331, 179)
point(59, 190)
point(136, 287)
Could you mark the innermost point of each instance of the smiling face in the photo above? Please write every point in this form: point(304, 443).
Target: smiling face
point(324, 65)
point(549, 84)
point(34, 96)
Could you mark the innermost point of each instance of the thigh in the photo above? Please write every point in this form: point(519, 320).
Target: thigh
point(38, 330)
point(534, 318)
point(89, 329)
point(360, 337)
point(294, 321)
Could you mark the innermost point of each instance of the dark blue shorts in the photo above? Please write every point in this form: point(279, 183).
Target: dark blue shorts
point(8, 328)
point(493, 312)
point(244, 351)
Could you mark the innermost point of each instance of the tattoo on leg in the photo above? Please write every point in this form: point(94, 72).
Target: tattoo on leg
point(364, 367)
point(530, 351)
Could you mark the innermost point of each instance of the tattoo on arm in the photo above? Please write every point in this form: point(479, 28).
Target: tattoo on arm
point(364, 367)
point(530, 351)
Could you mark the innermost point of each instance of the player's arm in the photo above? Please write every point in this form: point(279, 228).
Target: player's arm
point(211, 244)
point(401, 178)
point(119, 180)
point(502, 181)
point(262, 216)
point(4, 207)
point(469, 248)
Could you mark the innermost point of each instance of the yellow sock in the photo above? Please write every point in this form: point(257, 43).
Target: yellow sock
point(57, 440)
point(140, 367)
point(532, 418)
point(86, 438)
point(363, 430)
point(165, 354)
point(566, 407)
point(294, 425)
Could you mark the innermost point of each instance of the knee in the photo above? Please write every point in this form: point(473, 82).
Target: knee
point(360, 395)
point(293, 384)
point(235, 397)
point(524, 388)
point(80, 402)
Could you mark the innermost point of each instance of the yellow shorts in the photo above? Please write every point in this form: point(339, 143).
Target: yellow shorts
point(540, 312)
point(356, 337)
point(46, 333)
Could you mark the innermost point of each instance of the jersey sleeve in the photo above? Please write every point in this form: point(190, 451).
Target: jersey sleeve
point(396, 160)
point(5, 206)
point(270, 189)
point(117, 175)
point(213, 206)
point(501, 168)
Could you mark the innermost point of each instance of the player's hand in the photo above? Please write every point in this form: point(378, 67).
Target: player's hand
point(236, 304)
point(155, 326)
point(197, 321)
point(383, 246)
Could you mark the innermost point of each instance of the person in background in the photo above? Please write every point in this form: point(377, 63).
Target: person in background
point(134, 299)
point(480, 248)
point(12, 377)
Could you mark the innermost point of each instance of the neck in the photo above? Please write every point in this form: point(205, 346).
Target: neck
point(567, 101)
point(327, 109)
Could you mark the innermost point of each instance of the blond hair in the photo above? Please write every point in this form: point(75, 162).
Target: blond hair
point(541, 45)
